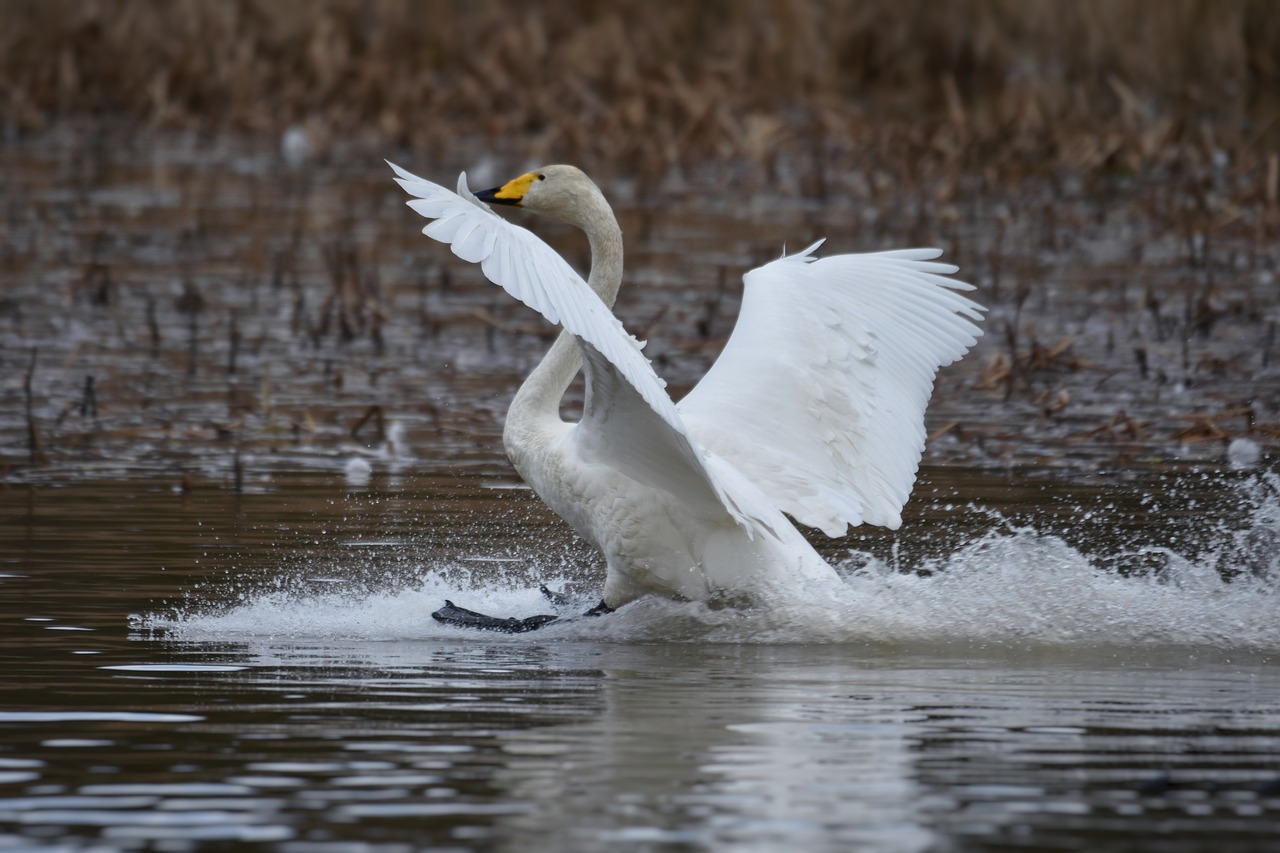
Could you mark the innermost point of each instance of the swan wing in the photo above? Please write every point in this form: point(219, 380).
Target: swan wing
point(516, 260)
point(630, 420)
point(620, 430)
point(819, 394)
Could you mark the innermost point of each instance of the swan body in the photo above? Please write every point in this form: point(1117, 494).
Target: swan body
point(815, 408)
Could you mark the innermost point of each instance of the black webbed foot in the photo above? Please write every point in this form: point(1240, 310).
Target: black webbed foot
point(460, 617)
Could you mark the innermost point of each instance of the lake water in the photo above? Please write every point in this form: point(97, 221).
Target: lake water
point(206, 670)
point(249, 440)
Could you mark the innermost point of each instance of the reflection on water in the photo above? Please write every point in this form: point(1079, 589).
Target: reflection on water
point(1058, 670)
point(576, 746)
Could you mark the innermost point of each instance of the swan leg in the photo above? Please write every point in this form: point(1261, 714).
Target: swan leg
point(557, 598)
point(561, 599)
point(460, 617)
point(599, 610)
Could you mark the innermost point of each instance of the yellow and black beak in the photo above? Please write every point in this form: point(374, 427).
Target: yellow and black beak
point(510, 193)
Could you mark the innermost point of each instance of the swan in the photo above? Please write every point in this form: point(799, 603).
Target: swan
point(814, 409)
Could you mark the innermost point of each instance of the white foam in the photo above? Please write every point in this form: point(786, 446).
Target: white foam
point(1012, 586)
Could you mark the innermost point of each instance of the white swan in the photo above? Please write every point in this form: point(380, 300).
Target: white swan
point(815, 407)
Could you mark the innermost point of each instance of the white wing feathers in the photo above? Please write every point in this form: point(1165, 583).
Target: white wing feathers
point(531, 271)
point(817, 400)
point(819, 394)
point(527, 268)
point(620, 430)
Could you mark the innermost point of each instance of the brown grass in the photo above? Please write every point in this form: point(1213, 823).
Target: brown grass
point(1009, 86)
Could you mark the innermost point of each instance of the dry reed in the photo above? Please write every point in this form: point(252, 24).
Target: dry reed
point(1003, 85)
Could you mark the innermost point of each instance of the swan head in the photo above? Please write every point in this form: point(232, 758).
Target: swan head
point(561, 192)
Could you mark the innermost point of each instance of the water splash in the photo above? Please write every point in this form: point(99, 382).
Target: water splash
point(1013, 585)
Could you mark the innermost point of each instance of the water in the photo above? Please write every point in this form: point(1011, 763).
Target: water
point(187, 304)
point(206, 670)
point(266, 428)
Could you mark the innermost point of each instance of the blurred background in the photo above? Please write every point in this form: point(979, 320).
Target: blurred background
point(202, 248)
point(1010, 87)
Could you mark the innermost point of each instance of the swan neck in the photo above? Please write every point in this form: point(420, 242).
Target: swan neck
point(605, 238)
point(536, 406)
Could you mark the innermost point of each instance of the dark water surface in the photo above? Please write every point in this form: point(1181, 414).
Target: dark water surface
point(249, 439)
point(189, 303)
point(210, 670)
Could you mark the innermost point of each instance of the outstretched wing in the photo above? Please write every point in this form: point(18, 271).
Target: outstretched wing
point(527, 268)
point(820, 392)
point(620, 430)
point(531, 271)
